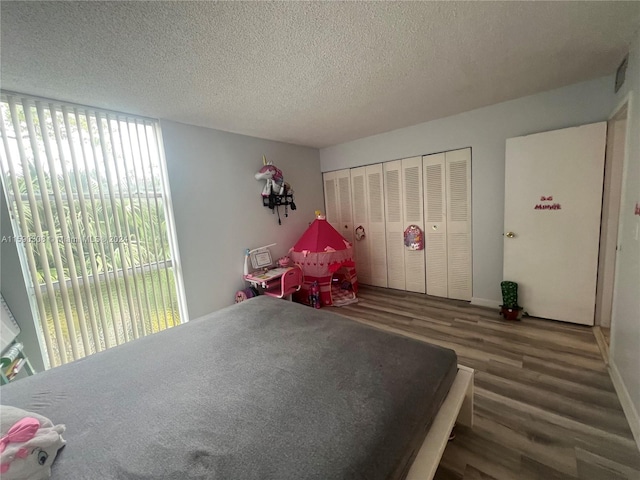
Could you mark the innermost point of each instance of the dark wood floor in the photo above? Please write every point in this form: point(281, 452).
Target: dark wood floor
point(544, 403)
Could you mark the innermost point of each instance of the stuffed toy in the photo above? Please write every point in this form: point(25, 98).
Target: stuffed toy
point(29, 444)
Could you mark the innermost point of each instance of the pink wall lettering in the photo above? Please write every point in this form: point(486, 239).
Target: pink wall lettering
point(539, 206)
point(555, 206)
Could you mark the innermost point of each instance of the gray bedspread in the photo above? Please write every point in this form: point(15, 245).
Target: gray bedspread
point(265, 389)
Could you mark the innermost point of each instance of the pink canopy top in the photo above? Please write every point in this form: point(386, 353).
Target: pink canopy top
point(319, 236)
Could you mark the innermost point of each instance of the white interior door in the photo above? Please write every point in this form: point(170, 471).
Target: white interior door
point(376, 234)
point(459, 271)
point(394, 224)
point(435, 203)
point(412, 204)
point(612, 196)
point(361, 220)
point(553, 196)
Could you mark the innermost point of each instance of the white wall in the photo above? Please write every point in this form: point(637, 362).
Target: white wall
point(485, 130)
point(218, 208)
point(14, 291)
point(625, 322)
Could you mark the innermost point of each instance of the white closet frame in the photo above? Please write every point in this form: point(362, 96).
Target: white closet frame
point(337, 198)
point(403, 207)
point(459, 267)
point(376, 234)
point(435, 212)
point(447, 206)
point(432, 192)
point(394, 224)
point(360, 204)
point(412, 212)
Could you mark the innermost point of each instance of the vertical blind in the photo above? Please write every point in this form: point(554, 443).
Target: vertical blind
point(86, 192)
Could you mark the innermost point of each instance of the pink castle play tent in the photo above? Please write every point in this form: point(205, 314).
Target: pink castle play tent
point(326, 257)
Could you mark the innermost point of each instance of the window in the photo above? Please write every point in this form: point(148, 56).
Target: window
point(87, 194)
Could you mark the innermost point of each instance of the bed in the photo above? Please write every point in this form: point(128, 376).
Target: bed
point(265, 389)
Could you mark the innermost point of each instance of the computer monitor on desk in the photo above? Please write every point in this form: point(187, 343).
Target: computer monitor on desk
point(260, 258)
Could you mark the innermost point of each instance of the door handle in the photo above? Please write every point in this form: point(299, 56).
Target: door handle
point(510, 234)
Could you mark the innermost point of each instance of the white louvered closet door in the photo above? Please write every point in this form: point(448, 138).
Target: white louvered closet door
point(343, 184)
point(361, 219)
point(337, 201)
point(376, 234)
point(458, 163)
point(412, 203)
point(435, 213)
point(394, 224)
point(331, 198)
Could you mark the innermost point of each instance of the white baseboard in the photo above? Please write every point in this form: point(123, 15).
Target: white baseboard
point(484, 302)
point(625, 400)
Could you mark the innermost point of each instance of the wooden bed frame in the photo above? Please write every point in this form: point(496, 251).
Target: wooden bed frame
point(457, 406)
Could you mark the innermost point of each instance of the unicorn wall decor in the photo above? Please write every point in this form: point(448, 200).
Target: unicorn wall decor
point(276, 192)
point(275, 181)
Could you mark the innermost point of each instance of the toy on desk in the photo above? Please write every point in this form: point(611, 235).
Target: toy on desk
point(284, 262)
point(314, 295)
point(29, 444)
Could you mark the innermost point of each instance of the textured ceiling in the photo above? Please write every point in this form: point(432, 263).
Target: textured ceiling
point(309, 73)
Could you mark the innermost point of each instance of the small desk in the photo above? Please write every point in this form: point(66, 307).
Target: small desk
point(264, 278)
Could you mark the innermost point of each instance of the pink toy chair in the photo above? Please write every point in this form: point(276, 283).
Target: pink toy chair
point(289, 283)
